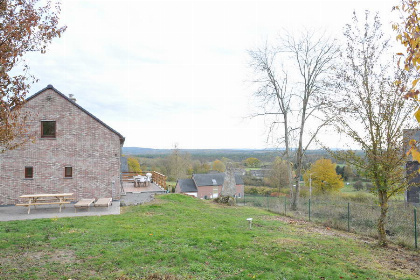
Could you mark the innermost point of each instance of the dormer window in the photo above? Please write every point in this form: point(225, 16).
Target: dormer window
point(47, 129)
point(214, 182)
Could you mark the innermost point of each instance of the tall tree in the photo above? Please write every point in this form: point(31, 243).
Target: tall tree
point(367, 108)
point(25, 26)
point(311, 59)
point(314, 57)
point(275, 97)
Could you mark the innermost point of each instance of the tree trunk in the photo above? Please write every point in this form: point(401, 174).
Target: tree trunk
point(299, 157)
point(383, 202)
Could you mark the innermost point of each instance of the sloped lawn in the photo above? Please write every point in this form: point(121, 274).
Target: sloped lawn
point(178, 237)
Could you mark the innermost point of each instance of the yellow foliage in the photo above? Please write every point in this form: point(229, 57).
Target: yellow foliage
point(218, 165)
point(323, 176)
point(414, 150)
point(417, 115)
point(133, 165)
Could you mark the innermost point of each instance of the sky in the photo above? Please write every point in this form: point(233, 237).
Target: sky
point(165, 73)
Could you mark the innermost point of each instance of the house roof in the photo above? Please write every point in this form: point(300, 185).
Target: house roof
point(214, 179)
point(187, 185)
point(122, 139)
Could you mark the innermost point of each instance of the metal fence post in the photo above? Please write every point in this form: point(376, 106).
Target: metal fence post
point(415, 228)
point(268, 203)
point(309, 209)
point(348, 216)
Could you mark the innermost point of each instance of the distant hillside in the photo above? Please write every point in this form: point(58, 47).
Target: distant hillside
point(212, 154)
point(149, 151)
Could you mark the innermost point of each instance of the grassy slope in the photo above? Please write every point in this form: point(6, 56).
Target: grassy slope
point(184, 237)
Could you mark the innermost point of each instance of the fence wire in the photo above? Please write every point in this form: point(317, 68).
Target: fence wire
point(401, 224)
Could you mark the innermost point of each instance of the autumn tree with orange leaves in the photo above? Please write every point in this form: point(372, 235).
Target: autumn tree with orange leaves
point(25, 26)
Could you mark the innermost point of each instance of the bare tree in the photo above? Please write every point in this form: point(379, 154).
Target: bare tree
point(272, 89)
point(314, 58)
point(273, 94)
point(308, 59)
point(368, 108)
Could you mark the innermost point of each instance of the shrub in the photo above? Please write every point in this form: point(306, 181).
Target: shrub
point(265, 191)
point(361, 197)
point(358, 185)
point(253, 181)
point(251, 190)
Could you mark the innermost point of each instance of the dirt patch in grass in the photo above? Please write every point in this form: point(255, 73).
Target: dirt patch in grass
point(59, 256)
point(28, 260)
point(393, 257)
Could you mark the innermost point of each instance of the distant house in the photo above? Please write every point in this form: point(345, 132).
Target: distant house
point(73, 152)
point(259, 173)
point(207, 185)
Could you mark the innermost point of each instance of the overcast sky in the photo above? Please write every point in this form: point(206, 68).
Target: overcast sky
point(175, 72)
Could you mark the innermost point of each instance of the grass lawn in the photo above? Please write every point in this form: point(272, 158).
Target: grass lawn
point(178, 237)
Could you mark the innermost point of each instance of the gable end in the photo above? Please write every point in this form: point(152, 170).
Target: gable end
point(122, 139)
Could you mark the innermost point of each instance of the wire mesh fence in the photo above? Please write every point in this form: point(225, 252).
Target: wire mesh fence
point(401, 223)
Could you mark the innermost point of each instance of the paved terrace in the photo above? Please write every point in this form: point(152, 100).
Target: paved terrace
point(12, 213)
point(149, 188)
point(136, 195)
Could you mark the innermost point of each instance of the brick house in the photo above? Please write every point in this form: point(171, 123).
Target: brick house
point(73, 151)
point(207, 185)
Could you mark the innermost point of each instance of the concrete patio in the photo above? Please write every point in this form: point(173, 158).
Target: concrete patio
point(13, 213)
point(133, 196)
point(149, 188)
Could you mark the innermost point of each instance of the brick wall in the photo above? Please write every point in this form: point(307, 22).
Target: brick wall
point(92, 150)
point(208, 191)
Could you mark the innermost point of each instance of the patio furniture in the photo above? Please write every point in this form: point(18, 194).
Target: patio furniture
point(45, 199)
point(140, 180)
point(103, 202)
point(86, 202)
point(149, 178)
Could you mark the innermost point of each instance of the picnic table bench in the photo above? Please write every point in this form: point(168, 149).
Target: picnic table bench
point(45, 199)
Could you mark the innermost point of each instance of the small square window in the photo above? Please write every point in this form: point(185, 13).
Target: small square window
point(29, 172)
point(47, 129)
point(68, 172)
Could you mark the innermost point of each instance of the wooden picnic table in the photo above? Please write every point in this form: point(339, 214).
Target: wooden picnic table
point(45, 199)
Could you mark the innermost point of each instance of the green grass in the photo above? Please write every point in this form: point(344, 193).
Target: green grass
point(179, 237)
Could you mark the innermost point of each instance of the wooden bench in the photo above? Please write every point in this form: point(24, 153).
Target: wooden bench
point(103, 202)
point(86, 202)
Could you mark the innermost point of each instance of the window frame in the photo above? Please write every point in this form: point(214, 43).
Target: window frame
point(65, 171)
point(29, 175)
point(42, 129)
